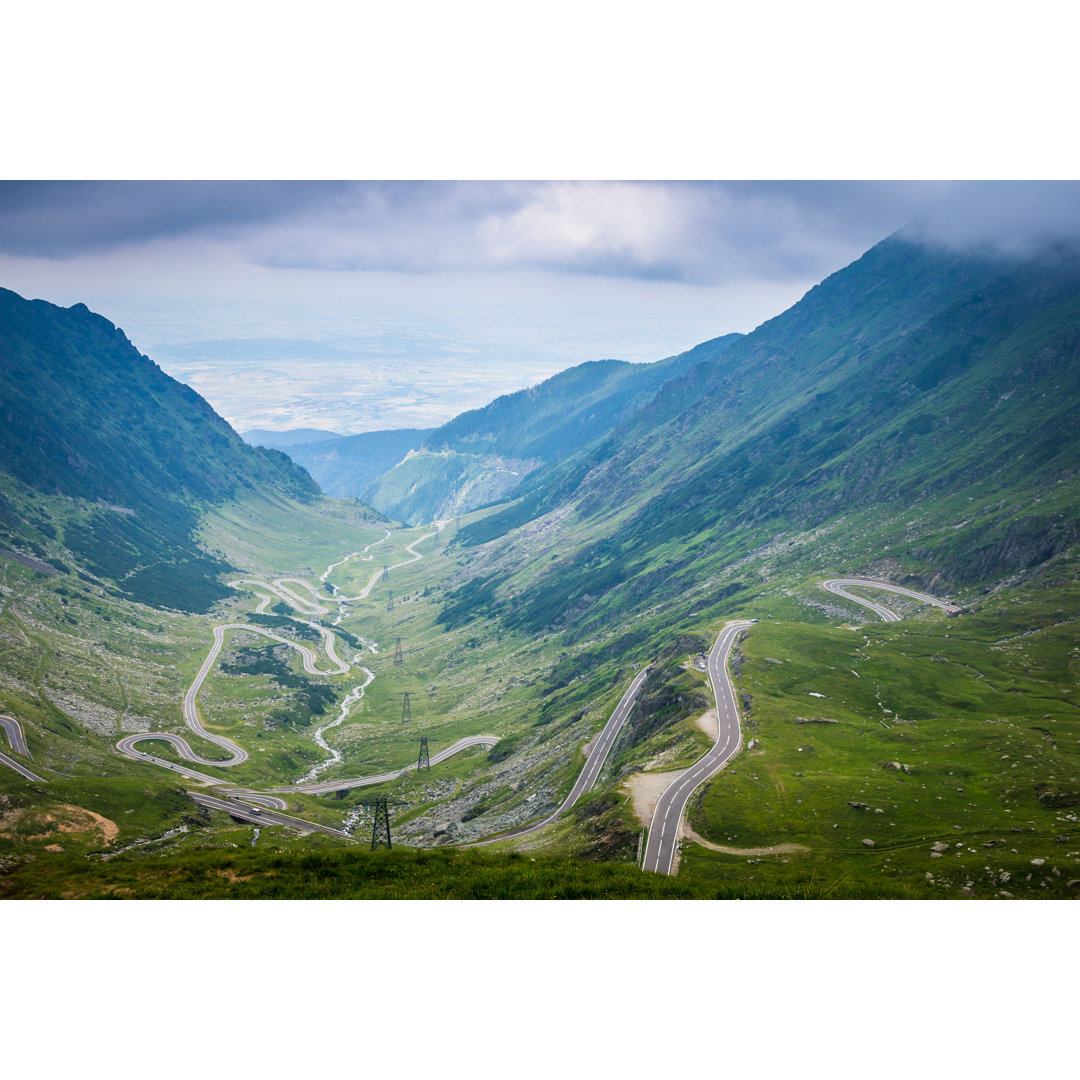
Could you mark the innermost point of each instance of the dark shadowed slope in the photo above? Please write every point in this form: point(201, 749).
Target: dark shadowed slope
point(89, 419)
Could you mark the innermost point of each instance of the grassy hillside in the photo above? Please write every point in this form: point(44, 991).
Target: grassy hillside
point(937, 390)
point(914, 417)
point(125, 455)
point(482, 456)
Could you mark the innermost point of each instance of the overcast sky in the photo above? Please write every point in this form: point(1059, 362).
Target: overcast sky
point(356, 306)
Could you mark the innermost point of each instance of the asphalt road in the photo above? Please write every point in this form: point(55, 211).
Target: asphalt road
point(18, 744)
point(324, 786)
point(127, 746)
point(664, 829)
point(11, 763)
point(237, 754)
point(599, 749)
point(837, 587)
point(257, 816)
point(15, 735)
point(667, 817)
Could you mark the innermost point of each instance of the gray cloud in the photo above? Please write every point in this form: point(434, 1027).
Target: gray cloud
point(61, 219)
point(696, 232)
point(1011, 217)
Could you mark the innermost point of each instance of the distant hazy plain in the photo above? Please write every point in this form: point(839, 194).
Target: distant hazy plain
point(344, 386)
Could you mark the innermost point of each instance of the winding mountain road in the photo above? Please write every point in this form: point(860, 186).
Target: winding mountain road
point(665, 827)
point(838, 587)
point(258, 816)
point(362, 595)
point(666, 824)
point(18, 744)
point(597, 754)
point(237, 755)
point(667, 817)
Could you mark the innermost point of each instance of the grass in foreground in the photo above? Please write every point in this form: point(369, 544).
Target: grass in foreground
point(383, 875)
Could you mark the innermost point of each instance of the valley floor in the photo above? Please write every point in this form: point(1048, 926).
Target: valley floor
point(930, 758)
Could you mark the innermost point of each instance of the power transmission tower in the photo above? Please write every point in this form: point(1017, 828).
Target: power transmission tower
point(390, 601)
point(423, 761)
point(406, 708)
point(380, 823)
point(399, 657)
point(385, 572)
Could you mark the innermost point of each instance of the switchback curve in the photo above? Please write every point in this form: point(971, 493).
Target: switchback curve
point(666, 824)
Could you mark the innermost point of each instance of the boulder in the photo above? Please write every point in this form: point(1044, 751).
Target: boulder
point(859, 805)
point(869, 843)
point(939, 846)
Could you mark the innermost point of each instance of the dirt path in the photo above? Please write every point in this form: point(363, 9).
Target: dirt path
point(687, 833)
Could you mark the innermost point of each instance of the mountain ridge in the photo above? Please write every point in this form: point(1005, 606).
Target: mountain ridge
point(872, 390)
point(482, 456)
point(126, 454)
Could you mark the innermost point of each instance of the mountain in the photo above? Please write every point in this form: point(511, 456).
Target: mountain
point(928, 397)
point(286, 440)
point(914, 417)
point(481, 456)
point(107, 458)
point(346, 467)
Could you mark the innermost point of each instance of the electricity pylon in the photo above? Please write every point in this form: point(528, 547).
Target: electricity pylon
point(423, 761)
point(399, 657)
point(380, 824)
point(406, 708)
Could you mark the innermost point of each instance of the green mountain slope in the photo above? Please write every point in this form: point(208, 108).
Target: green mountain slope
point(940, 389)
point(346, 467)
point(482, 456)
point(106, 457)
point(913, 417)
